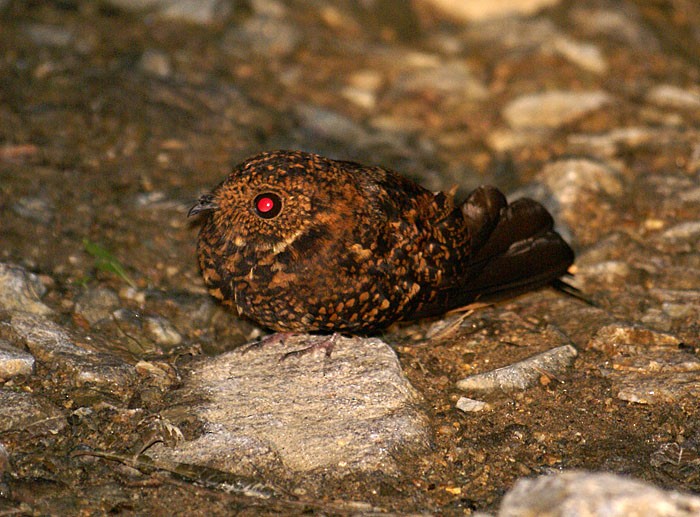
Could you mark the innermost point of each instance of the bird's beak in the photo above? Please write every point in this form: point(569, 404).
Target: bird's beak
point(205, 203)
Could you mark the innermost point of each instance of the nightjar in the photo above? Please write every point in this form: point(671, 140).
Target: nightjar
point(299, 243)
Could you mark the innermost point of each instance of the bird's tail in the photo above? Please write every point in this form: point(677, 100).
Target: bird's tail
point(522, 252)
point(515, 250)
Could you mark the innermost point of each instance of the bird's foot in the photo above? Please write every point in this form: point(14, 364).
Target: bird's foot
point(326, 344)
point(276, 339)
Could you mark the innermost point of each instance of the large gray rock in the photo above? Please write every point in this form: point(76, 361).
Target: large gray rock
point(352, 411)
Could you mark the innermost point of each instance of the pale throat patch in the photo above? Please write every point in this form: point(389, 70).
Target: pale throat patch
point(281, 246)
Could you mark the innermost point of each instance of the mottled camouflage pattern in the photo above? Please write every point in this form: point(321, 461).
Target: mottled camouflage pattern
point(357, 248)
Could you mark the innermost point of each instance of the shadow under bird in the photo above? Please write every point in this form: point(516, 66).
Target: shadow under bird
point(300, 243)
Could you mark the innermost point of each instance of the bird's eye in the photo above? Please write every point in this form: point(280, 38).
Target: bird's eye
point(267, 205)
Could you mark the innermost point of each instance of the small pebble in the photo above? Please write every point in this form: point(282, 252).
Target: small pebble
point(36, 209)
point(132, 294)
point(157, 63)
point(14, 361)
point(471, 405)
point(49, 35)
point(674, 97)
point(4, 462)
point(162, 331)
point(21, 290)
point(585, 55)
point(97, 304)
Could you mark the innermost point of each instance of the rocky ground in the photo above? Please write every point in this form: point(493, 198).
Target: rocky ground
point(124, 388)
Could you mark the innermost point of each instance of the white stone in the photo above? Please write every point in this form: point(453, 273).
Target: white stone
point(470, 10)
point(590, 494)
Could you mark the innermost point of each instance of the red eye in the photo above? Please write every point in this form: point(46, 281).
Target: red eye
point(267, 205)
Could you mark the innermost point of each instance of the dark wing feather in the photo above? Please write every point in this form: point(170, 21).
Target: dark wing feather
point(520, 252)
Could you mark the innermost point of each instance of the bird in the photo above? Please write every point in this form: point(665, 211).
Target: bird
point(300, 243)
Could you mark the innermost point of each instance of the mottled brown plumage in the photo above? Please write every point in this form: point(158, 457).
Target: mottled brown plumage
point(300, 243)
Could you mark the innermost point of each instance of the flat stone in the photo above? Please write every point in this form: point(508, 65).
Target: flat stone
point(523, 374)
point(52, 345)
point(614, 24)
point(552, 109)
point(671, 376)
point(329, 124)
point(503, 139)
point(197, 11)
point(679, 303)
point(674, 97)
point(26, 412)
point(660, 388)
point(352, 411)
point(423, 73)
point(608, 144)
point(623, 338)
point(49, 35)
point(584, 494)
point(193, 11)
point(647, 366)
point(608, 272)
point(657, 362)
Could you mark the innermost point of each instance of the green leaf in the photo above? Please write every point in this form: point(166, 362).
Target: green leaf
point(105, 261)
